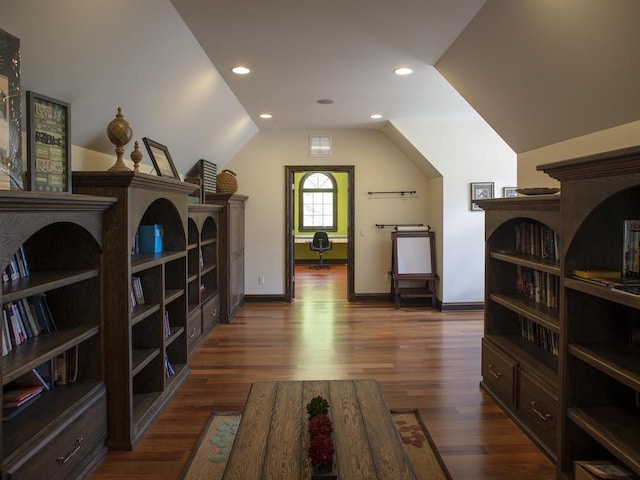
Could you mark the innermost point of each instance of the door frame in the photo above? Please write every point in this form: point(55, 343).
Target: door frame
point(290, 197)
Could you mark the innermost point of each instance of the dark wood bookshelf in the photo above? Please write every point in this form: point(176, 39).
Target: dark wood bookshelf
point(599, 376)
point(203, 272)
point(136, 345)
point(518, 373)
point(62, 237)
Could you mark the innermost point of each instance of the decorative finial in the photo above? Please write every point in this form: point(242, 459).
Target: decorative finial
point(136, 156)
point(119, 133)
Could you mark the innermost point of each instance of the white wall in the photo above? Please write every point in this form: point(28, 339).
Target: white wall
point(138, 55)
point(463, 152)
point(379, 166)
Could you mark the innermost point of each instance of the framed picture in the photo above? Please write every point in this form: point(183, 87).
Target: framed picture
point(480, 191)
point(10, 113)
point(48, 144)
point(161, 159)
point(508, 192)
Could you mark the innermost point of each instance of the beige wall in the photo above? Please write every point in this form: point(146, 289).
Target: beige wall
point(379, 166)
point(611, 139)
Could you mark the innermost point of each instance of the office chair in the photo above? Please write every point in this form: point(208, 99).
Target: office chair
point(320, 244)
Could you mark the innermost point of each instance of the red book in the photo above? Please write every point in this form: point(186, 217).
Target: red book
point(16, 397)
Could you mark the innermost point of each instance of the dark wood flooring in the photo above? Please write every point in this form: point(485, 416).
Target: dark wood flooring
point(422, 358)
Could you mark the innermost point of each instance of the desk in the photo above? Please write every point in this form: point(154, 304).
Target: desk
point(272, 439)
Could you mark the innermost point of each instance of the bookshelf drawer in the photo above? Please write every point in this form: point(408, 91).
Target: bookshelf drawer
point(538, 407)
point(210, 312)
point(194, 328)
point(498, 372)
point(76, 447)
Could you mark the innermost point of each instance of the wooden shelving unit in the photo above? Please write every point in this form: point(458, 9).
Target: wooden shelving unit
point(136, 345)
point(519, 370)
point(62, 238)
point(202, 280)
point(230, 251)
point(600, 327)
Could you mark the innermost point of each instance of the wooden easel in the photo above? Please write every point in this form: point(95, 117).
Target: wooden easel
point(414, 262)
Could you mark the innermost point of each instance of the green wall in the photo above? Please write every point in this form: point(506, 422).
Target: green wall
point(339, 251)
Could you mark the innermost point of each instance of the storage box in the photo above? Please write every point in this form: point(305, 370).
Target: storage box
point(602, 470)
point(150, 238)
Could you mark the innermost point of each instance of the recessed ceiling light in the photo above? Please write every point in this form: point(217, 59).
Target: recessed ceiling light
point(266, 115)
point(240, 70)
point(326, 101)
point(375, 116)
point(403, 71)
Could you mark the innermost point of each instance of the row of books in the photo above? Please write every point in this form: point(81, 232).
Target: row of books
point(537, 334)
point(541, 287)
point(168, 367)
point(137, 293)
point(18, 267)
point(26, 389)
point(537, 239)
point(25, 319)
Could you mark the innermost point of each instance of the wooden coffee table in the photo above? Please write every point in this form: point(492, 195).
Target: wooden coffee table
point(272, 439)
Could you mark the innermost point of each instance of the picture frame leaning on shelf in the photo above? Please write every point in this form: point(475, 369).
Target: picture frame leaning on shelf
point(480, 191)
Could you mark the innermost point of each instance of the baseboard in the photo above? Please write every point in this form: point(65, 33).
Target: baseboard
point(462, 306)
point(264, 298)
point(372, 297)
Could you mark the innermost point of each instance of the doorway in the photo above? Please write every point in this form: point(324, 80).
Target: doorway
point(290, 198)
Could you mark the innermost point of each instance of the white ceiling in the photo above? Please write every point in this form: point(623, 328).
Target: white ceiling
point(301, 51)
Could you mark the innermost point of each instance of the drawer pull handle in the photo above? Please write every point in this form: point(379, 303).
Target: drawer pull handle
point(543, 416)
point(192, 333)
point(495, 374)
point(64, 460)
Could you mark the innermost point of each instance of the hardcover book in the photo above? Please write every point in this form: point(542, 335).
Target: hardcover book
point(630, 249)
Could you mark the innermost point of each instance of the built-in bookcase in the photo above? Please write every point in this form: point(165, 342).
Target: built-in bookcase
point(202, 284)
point(600, 334)
point(62, 433)
point(522, 312)
point(146, 359)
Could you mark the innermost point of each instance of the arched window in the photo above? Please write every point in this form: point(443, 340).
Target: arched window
point(318, 202)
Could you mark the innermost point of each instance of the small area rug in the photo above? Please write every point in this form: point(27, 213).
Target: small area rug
point(209, 457)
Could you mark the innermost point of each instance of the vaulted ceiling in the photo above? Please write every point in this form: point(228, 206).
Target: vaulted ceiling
point(538, 71)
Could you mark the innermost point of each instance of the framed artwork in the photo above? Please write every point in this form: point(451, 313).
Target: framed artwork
point(161, 159)
point(480, 191)
point(10, 113)
point(48, 144)
point(508, 192)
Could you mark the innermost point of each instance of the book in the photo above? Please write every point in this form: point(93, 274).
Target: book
point(136, 285)
point(631, 248)
point(61, 369)
point(42, 313)
point(596, 273)
point(31, 379)
point(9, 413)
point(15, 397)
point(167, 325)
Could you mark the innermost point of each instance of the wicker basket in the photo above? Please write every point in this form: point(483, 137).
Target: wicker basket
point(226, 182)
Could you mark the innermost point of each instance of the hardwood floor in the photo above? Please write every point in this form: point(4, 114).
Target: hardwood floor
point(422, 358)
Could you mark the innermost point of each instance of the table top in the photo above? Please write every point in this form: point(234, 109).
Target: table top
point(272, 439)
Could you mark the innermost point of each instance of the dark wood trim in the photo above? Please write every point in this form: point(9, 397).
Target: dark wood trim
point(264, 298)
point(290, 171)
point(462, 307)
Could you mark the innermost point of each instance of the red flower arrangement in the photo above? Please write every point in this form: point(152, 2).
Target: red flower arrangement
point(320, 428)
point(321, 451)
point(320, 425)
